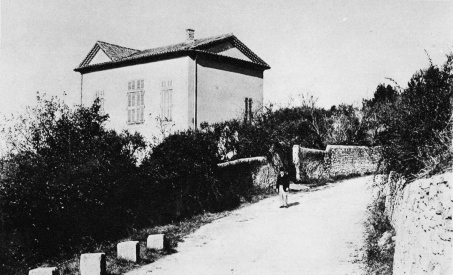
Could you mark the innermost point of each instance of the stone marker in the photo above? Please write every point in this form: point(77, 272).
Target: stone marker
point(92, 264)
point(44, 271)
point(128, 251)
point(155, 241)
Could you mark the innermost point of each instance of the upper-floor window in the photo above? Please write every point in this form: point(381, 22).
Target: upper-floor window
point(135, 101)
point(101, 96)
point(166, 95)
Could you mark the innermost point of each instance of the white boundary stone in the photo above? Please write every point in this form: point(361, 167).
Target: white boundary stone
point(44, 271)
point(155, 241)
point(92, 264)
point(129, 250)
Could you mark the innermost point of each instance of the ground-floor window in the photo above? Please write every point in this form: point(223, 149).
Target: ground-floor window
point(136, 102)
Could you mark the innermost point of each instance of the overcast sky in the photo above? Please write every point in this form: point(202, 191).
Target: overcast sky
point(337, 50)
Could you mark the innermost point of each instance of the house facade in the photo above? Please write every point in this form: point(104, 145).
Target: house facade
point(175, 87)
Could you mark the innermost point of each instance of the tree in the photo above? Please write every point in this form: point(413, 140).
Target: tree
point(344, 126)
point(379, 111)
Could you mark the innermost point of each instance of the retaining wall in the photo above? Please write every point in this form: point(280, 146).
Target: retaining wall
point(336, 160)
point(421, 214)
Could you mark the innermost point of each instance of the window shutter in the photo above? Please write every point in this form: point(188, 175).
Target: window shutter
point(170, 104)
point(162, 104)
point(128, 116)
point(102, 105)
point(129, 100)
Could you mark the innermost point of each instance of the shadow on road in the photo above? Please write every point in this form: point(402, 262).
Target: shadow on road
point(293, 204)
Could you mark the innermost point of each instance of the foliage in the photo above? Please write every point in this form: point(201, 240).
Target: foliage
point(344, 126)
point(439, 154)
point(185, 172)
point(183, 168)
point(285, 127)
point(410, 124)
point(378, 261)
point(68, 181)
point(379, 111)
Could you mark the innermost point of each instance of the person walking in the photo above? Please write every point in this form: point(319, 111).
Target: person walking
point(283, 187)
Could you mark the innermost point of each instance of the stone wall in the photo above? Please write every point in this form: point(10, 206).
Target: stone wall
point(336, 160)
point(262, 173)
point(421, 214)
point(346, 160)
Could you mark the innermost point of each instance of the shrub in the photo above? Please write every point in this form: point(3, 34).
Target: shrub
point(409, 124)
point(188, 180)
point(67, 181)
point(183, 167)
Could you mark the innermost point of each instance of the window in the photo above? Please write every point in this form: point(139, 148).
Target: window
point(100, 95)
point(166, 94)
point(248, 115)
point(135, 101)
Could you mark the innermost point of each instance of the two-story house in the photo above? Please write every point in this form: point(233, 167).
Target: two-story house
point(177, 86)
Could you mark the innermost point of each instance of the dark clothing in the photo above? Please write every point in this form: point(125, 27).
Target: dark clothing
point(283, 181)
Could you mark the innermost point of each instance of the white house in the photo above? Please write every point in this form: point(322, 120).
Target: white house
point(177, 86)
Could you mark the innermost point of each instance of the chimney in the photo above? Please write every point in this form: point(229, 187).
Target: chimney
point(190, 35)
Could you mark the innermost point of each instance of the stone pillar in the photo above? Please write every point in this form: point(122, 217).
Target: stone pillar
point(44, 271)
point(128, 251)
point(92, 264)
point(156, 241)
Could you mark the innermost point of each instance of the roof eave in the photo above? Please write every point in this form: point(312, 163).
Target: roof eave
point(131, 61)
point(168, 55)
point(234, 61)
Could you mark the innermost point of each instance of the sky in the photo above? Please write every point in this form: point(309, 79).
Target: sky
point(338, 51)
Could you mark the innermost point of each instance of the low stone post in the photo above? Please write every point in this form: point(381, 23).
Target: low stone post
point(128, 251)
point(92, 264)
point(44, 271)
point(156, 241)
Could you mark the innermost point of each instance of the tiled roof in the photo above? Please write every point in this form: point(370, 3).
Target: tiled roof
point(118, 54)
point(114, 52)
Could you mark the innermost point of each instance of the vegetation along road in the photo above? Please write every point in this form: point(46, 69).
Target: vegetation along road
point(320, 233)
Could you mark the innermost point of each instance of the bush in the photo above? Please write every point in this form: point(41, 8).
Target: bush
point(183, 169)
point(410, 124)
point(188, 180)
point(68, 182)
point(280, 129)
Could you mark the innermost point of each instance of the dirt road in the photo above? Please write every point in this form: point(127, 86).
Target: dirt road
point(318, 234)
